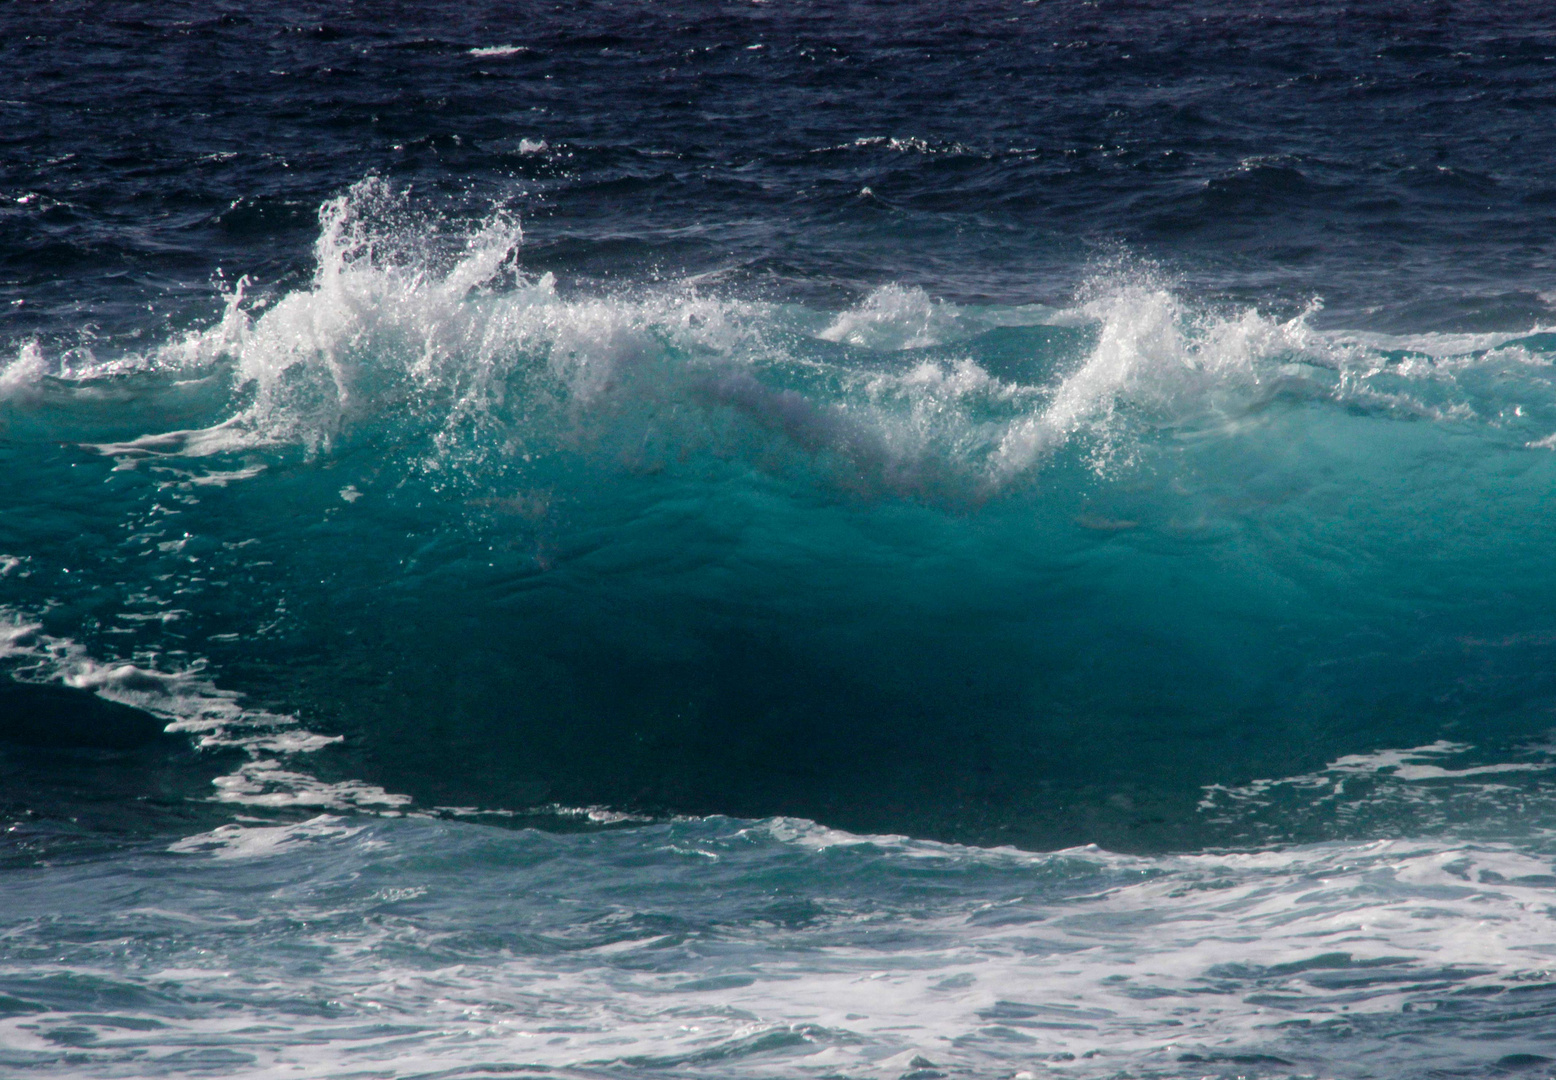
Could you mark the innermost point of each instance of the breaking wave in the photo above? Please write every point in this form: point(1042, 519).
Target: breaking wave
point(657, 538)
point(416, 331)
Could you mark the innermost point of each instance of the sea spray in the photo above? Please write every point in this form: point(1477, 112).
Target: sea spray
point(955, 547)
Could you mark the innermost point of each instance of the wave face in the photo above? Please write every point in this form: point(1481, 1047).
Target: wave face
point(977, 572)
point(591, 541)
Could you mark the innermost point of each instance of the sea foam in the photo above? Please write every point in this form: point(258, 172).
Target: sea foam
point(408, 947)
point(434, 332)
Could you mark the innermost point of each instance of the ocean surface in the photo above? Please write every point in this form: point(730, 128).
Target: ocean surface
point(786, 539)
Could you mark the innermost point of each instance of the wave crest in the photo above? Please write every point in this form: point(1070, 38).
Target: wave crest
point(435, 341)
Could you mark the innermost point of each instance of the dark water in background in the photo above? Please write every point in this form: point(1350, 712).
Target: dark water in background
point(1389, 158)
point(666, 426)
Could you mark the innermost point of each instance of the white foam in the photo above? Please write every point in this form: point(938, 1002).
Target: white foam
point(1438, 345)
point(1415, 788)
point(21, 380)
point(414, 323)
point(201, 442)
point(894, 318)
point(377, 330)
point(1313, 954)
point(189, 701)
point(259, 842)
point(1152, 354)
point(265, 783)
point(1408, 764)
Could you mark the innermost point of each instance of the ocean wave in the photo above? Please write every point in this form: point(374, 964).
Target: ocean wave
point(437, 339)
point(981, 563)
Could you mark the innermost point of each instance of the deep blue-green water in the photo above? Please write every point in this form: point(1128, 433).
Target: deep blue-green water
point(777, 539)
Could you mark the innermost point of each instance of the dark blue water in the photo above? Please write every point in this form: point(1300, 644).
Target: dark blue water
point(608, 538)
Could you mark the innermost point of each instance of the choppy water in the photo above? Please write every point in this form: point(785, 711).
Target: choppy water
point(608, 540)
point(716, 947)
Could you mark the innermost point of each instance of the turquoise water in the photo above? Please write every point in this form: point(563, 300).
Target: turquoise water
point(462, 600)
point(1040, 574)
point(779, 540)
